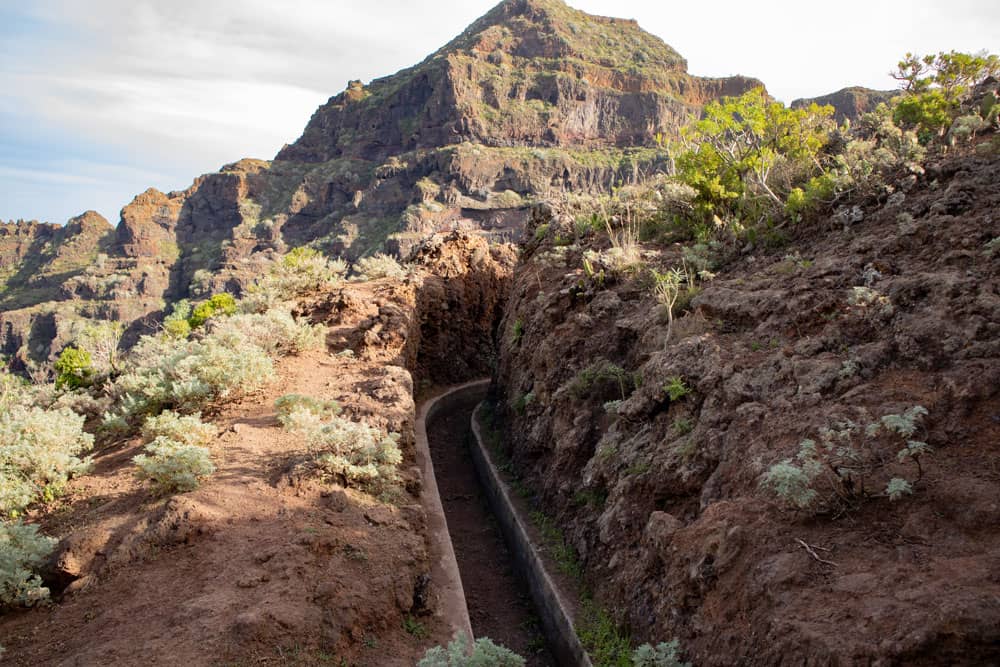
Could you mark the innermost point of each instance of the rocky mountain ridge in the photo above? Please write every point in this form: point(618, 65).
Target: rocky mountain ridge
point(534, 98)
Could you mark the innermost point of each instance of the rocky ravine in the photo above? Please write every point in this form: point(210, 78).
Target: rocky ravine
point(261, 564)
point(662, 498)
point(533, 98)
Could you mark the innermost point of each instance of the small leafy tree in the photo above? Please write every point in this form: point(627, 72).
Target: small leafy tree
point(748, 149)
point(74, 368)
point(667, 289)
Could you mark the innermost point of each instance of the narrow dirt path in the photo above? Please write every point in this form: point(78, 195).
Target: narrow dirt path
point(499, 603)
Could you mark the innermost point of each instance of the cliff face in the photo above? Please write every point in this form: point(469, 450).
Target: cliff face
point(530, 72)
point(534, 98)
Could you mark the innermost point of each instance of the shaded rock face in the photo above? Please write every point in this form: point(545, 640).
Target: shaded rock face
point(662, 499)
point(850, 103)
point(534, 99)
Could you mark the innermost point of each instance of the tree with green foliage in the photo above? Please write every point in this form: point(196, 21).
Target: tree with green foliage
point(219, 304)
point(936, 88)
point(747, 153)
point(74, 368)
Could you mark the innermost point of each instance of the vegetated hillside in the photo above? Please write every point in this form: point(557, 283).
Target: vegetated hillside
point(286, 553)
point(534, 98)
point(806, 470)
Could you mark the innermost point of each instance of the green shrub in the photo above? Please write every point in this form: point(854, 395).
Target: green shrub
point(39, 453)
point(168, 373)
point(379, 266)
point(22, 550)
point(176, 323)
point(74, 368)
point(523, 401)
point(187, 430)
point(483, 653)
point(848, 464)
point(174, 466)
point(664, 654)
point(603, 380)
point(276, 331)
point(354, 453)
point(518, 332)
point(177, 328)
point(676, 389)
point(604, 642)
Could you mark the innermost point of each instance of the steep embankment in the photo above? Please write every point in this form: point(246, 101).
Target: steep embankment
point(265, 563)
point(870, 313)
point(533, 98)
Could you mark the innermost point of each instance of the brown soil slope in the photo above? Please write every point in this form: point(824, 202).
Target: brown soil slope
point(663, 500)
point(262, 565)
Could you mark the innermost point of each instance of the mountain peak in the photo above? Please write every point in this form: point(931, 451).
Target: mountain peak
point(553, 29)
point(528, 73)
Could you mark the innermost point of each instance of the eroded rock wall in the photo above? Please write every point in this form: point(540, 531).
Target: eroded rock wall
point(662, 498)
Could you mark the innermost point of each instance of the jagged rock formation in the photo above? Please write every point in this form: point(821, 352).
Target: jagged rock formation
point(849, 103)
point(533, 98)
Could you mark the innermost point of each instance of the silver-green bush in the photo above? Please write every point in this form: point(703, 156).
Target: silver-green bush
point(187, 430)
point(379, 266)
point(300, 272)
point(174, 466)
point(276, 331)
point(22, 550)
point(354, 453)
point(484, 653)
point(164, 372)
point(665, 654)
point(39, 452)
point(849, 464)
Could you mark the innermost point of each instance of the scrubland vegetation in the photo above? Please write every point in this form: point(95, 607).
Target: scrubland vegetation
point(212, 351)
point(747, 178)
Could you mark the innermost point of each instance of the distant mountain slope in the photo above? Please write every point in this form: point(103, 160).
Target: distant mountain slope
point(533, 98)
point(849, 103)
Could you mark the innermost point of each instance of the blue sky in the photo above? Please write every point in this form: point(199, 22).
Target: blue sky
point(102, 99)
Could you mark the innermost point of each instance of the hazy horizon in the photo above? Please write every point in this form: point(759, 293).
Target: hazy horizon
point(102, 101)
